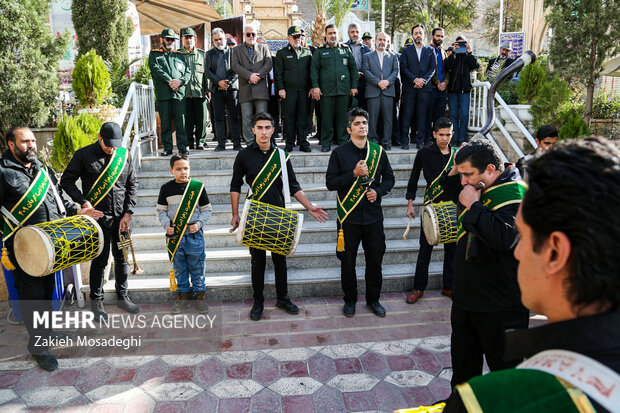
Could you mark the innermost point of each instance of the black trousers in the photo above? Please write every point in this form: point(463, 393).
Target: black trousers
point(373, 243)
point(97, 266)
point(424, 259)
point(195, 120)
point(225, 105)
point(259, 260)
point(294, 116)
point(476, 334)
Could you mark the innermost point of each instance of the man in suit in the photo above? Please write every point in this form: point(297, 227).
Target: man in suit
point(358, 49)
point(252, 62)
point(381, 71)
point(417, 67)
point(439, 82)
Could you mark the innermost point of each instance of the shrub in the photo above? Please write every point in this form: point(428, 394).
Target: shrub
point(573, 124)
point(73, 134)
point(508, 91)
point(143, 74)
point(531, 80)
point(91, 80)
point(606, 106)
point(548, 105)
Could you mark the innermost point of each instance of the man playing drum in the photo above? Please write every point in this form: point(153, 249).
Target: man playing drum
point(22, 179)
point(432, 160)
point(249, 164)
point(109, 184)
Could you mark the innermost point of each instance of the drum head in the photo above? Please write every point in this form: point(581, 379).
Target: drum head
point(34, 251)
point(430, 225)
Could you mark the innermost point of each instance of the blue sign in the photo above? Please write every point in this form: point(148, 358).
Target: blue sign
point(360, 5)
point(517, 39)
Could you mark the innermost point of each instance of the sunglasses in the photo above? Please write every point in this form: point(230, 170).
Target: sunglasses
point(297, 36)
point(168, 39)
point(250, 35)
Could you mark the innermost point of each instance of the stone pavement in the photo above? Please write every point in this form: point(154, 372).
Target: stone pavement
point(315, 361)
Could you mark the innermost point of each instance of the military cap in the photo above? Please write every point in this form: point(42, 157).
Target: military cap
point(294, 31)
point(188, 31)
point(366, 35)
point(408, 42)
point(168, 33)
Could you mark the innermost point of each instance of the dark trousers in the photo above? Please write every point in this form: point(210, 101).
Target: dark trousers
point(424, 259)
point(475, 334)
point(359, 100)
point(259, 260)
point(195, 120)
point(225, 105)
point(319, 119)
point(437, 109)
point(97, 266)
point(333, 110)
point(294, 116)
point(414, 102)
point(373, 243)
point(169, 110)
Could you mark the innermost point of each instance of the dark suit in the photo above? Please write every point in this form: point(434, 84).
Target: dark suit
point(413, 99)
point(360, 99)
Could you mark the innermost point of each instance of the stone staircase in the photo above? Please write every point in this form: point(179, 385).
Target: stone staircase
point(313, 270)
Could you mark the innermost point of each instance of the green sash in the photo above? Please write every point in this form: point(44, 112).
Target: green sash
point(184, 213)
point(28, 203)
point(108, 177)
point(267, 176)
point(434, 190)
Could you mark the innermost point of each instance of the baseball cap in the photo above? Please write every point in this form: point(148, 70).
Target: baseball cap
point(188, 31)
point(111, 134)
point(168, 33)
point(366, 35)
point(294, 31)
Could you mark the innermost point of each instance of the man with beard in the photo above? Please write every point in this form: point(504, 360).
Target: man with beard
point(439, 81)
point(499, 63)
point(20, 176)
point(358, 49)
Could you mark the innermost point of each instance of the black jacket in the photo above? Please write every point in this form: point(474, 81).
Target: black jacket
point(88, 163)
point(430, 161)
point(211, 59)
point(504, 64)
point(460, 67)
point(487, 281)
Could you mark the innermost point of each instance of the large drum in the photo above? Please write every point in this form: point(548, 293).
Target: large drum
point(439, 222)
point(268, 227)
point(51, 246)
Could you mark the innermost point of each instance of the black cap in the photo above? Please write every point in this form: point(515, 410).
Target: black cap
point(111, 134)
point(366, 35)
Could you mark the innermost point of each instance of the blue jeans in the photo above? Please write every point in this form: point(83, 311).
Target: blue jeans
point(459, 115)
point(189, 261)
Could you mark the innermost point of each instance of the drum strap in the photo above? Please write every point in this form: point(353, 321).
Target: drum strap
point(192, 193)
point(108, 177)
point(285, 188)
point(434, 189)
point(267, 176)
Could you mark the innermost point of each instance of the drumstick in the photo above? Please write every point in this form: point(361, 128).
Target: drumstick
point(408, 228)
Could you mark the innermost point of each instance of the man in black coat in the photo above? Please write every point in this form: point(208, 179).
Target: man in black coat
point(88, 164)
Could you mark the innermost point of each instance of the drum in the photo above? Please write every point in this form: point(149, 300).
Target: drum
point(51, 246)
point(268, 227)
point(439, 222)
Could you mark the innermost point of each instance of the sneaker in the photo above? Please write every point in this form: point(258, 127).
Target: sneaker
point(46, 361)
point(126, 304)
point(287, 305)
point(181, 303)
point(257, 312)
point(201, 303)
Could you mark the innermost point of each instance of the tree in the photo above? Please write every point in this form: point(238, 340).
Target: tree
point(318, 26)
point(91, 80)
point(29, 56)
point(401, 16)
point(512, 21)
point(102, 25)
point(338, 9)
point(584, 34)
point(223, 8)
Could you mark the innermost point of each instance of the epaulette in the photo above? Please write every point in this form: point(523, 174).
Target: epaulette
point(344, 45)
point(157, 50)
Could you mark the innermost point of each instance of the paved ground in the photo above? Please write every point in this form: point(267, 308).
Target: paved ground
point(315, 361)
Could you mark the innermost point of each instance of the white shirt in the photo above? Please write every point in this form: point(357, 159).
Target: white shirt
point(418, 50)
point(380, 55)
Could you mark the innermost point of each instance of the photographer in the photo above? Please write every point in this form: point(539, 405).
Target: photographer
point(460, 63)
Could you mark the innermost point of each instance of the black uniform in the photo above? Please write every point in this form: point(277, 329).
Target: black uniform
point(364, 223)
point(35, 293)
point(248, 163)
point(88, 163)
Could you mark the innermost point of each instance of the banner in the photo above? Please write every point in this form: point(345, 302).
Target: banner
point(360, 5)
point(517, 39)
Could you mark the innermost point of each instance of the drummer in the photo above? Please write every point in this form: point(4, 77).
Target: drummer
point(432, 160)
point(20, 175)
point(109, 184)
point(248, 164)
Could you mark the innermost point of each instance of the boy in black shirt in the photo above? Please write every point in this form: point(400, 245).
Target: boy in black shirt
point(189, 251)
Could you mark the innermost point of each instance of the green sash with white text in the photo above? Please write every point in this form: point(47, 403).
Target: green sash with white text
point(183, 215)
point(267, 176)
point(434, 190)
point(108, 177)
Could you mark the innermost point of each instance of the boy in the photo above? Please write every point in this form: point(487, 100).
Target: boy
point(185, 242)
point(432, 160)
point(546, 137)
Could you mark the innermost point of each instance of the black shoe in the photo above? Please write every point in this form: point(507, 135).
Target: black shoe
point(191, 146)
point(377, 309)
point(305, 149)
point(287, 305)
point(166, 153)
point(387, 147)
point(184, 152)
point(237, 147)
point(46, 361)
point(325, 149)
point(98, 310)
point(349, 309)
point(405, 146)
point(288, 148)
point(219, 148)
point(419, 145)
point(126, 304)
point(257, 312)
point(200, 148)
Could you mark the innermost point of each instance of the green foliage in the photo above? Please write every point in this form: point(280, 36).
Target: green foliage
point(223, 8)
point(143, 74)
point(573, 125)
point(531, 80)
point(547, 107)
point(73, 134)
point(606, 106)
point(29, 56)
point(338, 9)
point(91, 80)
point(103, 26)
point(508, 92)
point(119, 81)
point(513, 19)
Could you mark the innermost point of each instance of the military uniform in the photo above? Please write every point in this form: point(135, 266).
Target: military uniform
point(334, 71)
point(291, 69)
point(195, 100)
point(166, 66)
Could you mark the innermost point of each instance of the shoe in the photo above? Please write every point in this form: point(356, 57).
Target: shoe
point(325, 149)
point(191, 146)
point(98, 310)
point(404, 147)
point(419, 146)
point(349, 309)
point(237, 147)
point(181, 303)
point(46, 361)
point(447, 293)
point(257, 312)
point(387, 147)
point(305, 149)
point(166, 153)
point(201, 302)
point(288, 148)
point(200, 148)
point(126, 304)
point(219, 148)
point(287, 305)
point(377, 309)
point(414, 296)
point(184, 152)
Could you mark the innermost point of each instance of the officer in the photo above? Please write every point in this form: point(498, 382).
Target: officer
point(368, 41)
point(333, 75)
point(291, 69)
point(170, 73)
point(195, 101)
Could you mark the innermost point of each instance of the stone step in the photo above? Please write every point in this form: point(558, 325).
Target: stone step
point(218, 236)
point(392, 208)
point(323, 281)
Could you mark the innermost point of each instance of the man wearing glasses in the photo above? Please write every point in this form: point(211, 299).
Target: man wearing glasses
point(251, 61)
point(170, 73)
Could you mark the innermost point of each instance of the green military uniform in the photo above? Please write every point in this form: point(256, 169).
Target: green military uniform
point(334, 71)
point(166, 66)
point(291, 70)
point(195, 101)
